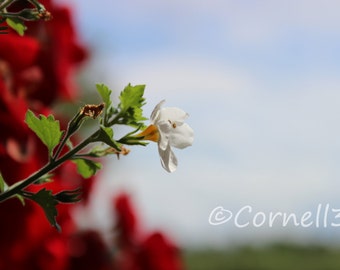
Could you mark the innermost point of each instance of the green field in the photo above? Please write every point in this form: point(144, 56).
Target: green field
point(275, 257)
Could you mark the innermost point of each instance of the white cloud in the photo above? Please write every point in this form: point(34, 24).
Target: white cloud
point(254, 23)
point(269, 141)
point(273, 144)
point(179, 77)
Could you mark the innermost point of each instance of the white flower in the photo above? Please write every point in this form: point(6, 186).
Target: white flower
point(168, 129)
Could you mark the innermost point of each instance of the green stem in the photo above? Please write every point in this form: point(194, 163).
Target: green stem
point(53, 164)
point(61, 145)
point(84, 156)
point(37, 4)
point(7, 3)
point(72, 127)
point(114, 120)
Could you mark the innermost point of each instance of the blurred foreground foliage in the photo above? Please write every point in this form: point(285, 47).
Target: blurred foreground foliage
point(274, 257)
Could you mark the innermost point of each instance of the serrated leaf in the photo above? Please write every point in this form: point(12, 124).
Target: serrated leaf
point(132, 100)
point(17, 24)
point(86, 167)
point(105, 94)
point(132, 96)
point(48, 203)
point(136, 117)
point(46, 128)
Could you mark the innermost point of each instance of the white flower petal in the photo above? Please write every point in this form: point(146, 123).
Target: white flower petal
point(168, 159)
point(163, 140)
point(164, 127)
point(173, 114)
point(155, 112)
point(182, 136)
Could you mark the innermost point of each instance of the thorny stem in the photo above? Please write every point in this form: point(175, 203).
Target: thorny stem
point(53, 164)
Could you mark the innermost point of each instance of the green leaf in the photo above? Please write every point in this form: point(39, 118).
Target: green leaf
point(105, 93)
point(86, 167)
point(108, 131)
point(106, 136)
point(47, 201)
point(46, 128)
point(3, 184)
point(132, 96)
point(17, 24)
point(137, 113)
point(131, 102)
point(99, 151)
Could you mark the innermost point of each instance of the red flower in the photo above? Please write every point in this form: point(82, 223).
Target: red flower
point(19, 52)
point(34, 72)
point(28, 241)
point(49, 52)
point(137, 252)
point(126, 226)
point(88, 251)
point(59, 55)
point(157, 252)
point(20, 152)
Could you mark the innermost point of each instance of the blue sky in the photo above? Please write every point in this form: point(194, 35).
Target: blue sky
point(260, 80)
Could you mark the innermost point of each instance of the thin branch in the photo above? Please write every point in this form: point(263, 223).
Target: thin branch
point(52, 165)
point(6, 4)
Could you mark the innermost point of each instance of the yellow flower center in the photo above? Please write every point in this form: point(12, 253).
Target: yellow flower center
point(151, 133)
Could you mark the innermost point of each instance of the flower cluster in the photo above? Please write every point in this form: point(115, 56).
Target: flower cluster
point(129, 247)
point(139, 250)
point(36, 71)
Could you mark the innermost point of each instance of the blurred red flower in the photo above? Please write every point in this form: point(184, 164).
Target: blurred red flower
point(88, 251)
point(35, 72)
point(126, 226)
point(141, 251)
point(43, 61)
point(157, 252)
